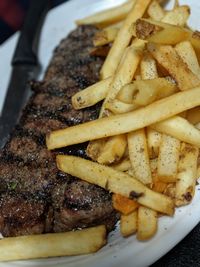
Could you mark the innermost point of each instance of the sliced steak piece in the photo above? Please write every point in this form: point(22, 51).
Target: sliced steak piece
point(35, 197)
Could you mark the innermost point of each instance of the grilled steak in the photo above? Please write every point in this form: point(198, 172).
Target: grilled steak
point(34, 196)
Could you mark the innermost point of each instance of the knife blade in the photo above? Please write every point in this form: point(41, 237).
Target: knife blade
point(25, 66)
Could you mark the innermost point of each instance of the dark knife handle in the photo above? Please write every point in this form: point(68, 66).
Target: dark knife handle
point(24, 52)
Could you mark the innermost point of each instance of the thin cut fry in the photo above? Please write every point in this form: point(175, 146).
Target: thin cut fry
point(153, 142)
point(105, 36)
point(155, 11)
point(122, 166)
point(148, 67)
point(124, 204)
point(119, 107)
point(167, 56)
point(52, 245)
point(123, 39)
point(179, 128)
point(186, 178)
point(168, 159)
point(115, 181)
point(108, 16)
point(147, 223)
point(91, 95)
point(139, 157)
point(178, 16)
point(128, 224)
point(119, 124)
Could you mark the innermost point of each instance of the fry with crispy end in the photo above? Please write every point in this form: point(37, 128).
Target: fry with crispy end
point(123, 39)
point(186, 177)
point(167, 56)
point(179, 128)
point(155, 11)
point(168, 159)
point(105, 36)
point(119, 124)
point(128, 224)
point(153, 142)
point(187, 53)
point(91, 95)
point(115, 181)
point(138, 154)
point(178, 16)
point(53, 245)
point(109, 16)
point(111, 152)
point(193, 115)
point(124, 204)
point(160, 32)
point(147, 223)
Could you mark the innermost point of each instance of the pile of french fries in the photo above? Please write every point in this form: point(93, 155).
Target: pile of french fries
point(144, 146)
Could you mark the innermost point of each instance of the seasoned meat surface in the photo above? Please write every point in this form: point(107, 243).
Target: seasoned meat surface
point(35, 197)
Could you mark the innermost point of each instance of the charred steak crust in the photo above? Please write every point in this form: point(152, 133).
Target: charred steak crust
point(34, 196)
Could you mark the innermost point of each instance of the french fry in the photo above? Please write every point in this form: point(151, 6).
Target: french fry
point(111, 152)
point(168, 159)
point(160, 32)
point(155, 11)
point(170, 190)
point(52, 245)
point(123, 39)
point(119, 124)
point(153, 142)
point(109, 16)
point(159, 186)
point(91, 95)
point(148, 67)
point(126, 94)
point(124, 204)
point(115, 181)
point(139, 157)
point(178, 16)
point(168, 57)
point(179, 128)
point(105, 36)
point(193, 115)
point(128, 224)
point(152, 89)
point(187, 174)
point(119, 107)
point(147, 223)
point(187, 53)
point(122, 166)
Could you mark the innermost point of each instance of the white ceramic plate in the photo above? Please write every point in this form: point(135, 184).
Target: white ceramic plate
point(119, 251)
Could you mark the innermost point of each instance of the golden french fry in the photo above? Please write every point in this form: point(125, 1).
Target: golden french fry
point(113, 150)
point(119, 107)
point(127, 92)
point(178, 16)
point(179, 128)
point(138, 154)
point(119, 124)
point(160, 32)
point(124, 204)
point(123, 39)
point(167, 56)
point(53, 245)
point(91, 95)
point(153, 142)
point(123, 165)
point(108, 16)
point(159, 186)
point(186, 51)
point(94, 148)
point(147, 223)
point(115, 181)
point(155, 11)
point(105, 36)
point(195, 41)
point(170, 190)
point(148, 67)
point(193, 115)
point(152, 89)
point(168, 159)
point(128, 224)
point(186, 177)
